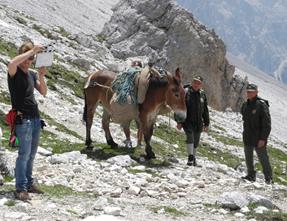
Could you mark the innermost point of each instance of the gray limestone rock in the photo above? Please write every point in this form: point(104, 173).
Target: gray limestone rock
point(171, 37)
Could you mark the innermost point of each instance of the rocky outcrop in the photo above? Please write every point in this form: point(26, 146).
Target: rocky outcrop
point(171, 37)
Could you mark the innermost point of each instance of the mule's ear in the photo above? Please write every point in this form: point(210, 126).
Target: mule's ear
point(177, 73)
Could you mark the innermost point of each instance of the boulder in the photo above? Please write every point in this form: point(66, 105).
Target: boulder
point(170, 36)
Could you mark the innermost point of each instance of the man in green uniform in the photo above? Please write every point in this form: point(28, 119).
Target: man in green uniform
point(256, 129)
point(197, 119)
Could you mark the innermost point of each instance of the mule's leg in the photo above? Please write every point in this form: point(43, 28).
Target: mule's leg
point(127, 132)
point(89, 121)
point(139, 134)
point(147, 128)
point(106, 127)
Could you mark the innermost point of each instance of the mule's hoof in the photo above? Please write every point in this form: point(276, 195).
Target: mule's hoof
point(150, 156)
point(115, 145)
point(128, 144)
point(112, 144)
point(90, 147)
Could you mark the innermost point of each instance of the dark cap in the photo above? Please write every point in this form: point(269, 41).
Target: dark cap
point(252, 87)
point(197, 78)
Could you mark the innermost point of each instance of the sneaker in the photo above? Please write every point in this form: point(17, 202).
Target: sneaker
point(249, 178)
point(22, 195)
point(190, 160)
point(35, 189)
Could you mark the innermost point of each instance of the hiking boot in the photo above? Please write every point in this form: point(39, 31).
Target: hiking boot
point(249, 178)
point(35, 189)
point(269, 181)
point(194, 162)
point(190, 160)
point(22, 195)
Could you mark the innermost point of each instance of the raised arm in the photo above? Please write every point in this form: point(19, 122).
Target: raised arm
point(12, 66)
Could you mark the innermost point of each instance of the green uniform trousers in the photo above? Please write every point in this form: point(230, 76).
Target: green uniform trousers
point(263, 158)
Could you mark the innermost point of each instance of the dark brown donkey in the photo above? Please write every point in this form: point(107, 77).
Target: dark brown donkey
point(161, 92)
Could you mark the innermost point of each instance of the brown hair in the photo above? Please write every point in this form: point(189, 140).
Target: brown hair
point(27, 46)
point(137, 63)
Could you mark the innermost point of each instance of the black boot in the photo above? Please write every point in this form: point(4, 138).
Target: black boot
point(269, 180)
point(194, 161)
point(251, 178)
point(190, 160)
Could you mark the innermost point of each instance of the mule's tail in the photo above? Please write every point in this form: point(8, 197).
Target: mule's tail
point(85, 114)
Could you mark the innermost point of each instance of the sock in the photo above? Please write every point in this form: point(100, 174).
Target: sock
point(190, 149)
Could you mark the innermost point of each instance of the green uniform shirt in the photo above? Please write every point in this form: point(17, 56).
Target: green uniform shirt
point(256, 121)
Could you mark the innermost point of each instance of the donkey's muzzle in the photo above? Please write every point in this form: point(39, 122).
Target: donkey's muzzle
point(180, 116)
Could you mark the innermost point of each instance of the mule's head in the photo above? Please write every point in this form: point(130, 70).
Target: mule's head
point(175, 97)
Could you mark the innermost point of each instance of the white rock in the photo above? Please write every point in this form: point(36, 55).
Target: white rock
point(123, 160)
point(223, 211)
point(16, 215)
point(139, 168)
point(262, 201)
point(260, 209)
point(100, 203)
point(115, 211)
point(124, 171)
point(258, 185)
point(233, 200)
point(152, 193)
point(134, 190)
point(77, 170)
point(117, 192)
point(44, 152)
point(245, 209)
point(57, 159)
point(3, 201)
point(182, 183)
point(102, 218)
point(239, 214)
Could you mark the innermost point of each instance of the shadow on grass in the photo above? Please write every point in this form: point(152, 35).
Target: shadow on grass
point(137, 153)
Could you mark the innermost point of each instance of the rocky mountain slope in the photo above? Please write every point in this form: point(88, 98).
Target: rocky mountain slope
point(114, 184)
point(171, 37)
point(252, 30)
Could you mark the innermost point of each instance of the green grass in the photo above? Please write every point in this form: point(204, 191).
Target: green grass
point(73, 212)
point(60, 191)
point(8, 178)
point(21, 20)
point(59, 127)
point(47, 139)
point(57, 74)
point(10, 203)
point(170, 210)
point(42, 31)
point(50, 140)
point(218, 127)
point(5, 97)
point(173, 136)
point(5, 129)
point(7, 189)
point(8, 48)
point(266, 216)
point(101, 38)
point(63, 32)
point(226, 140)
point(278, 160)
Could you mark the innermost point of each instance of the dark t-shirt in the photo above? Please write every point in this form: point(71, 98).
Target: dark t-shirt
point(21, 87)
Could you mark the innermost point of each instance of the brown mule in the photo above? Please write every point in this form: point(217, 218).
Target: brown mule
point(168, 91)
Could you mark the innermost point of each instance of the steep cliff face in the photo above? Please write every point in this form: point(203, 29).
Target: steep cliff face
point(171, 37)
point(254, 31)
